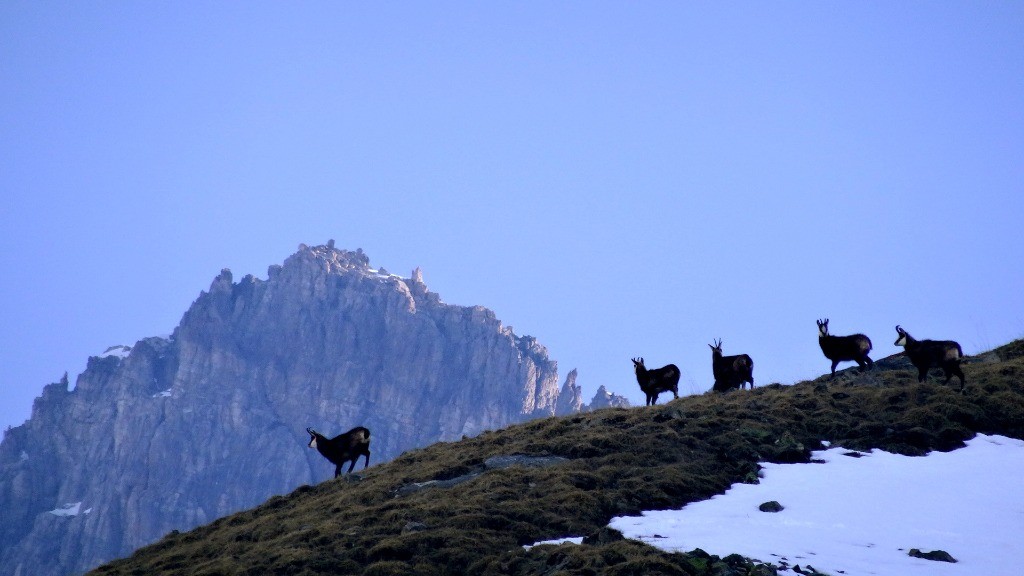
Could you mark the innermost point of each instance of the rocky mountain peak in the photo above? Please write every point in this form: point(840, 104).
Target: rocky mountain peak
point(223, 281)
point(605, 399)
point(328, 258)
point(156, 436)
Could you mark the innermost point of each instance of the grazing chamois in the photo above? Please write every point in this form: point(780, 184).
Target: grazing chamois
point(730, 371)
point(838, 349)
point(924, 354)
point(342, 448)
point(654, 382)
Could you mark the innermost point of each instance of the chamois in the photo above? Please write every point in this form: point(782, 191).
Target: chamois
point(654, 382)
point(924, 354)
point(844, 348)
point(730, 371)
point(342, 448)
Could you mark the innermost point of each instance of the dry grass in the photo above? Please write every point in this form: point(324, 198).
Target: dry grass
point(621, 461)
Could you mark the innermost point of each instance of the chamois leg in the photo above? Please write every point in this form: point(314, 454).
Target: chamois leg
point(953, 369)
point(834, 364)
point(922, 374)
point(353, 464)
point(337, 470)
point(870, 363)
point(367, 463)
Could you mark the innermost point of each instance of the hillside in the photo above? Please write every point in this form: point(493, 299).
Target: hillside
point(616, 461)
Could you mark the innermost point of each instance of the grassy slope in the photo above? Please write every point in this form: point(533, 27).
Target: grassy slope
point(622, 461)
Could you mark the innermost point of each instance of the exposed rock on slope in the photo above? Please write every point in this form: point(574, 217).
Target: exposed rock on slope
point(180, 431)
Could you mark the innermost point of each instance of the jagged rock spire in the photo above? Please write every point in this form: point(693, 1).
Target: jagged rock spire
point(570, 399)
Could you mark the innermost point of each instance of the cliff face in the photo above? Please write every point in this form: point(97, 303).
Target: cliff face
point(177, 432)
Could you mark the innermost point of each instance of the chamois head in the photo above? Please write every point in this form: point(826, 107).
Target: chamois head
point(901, 340)
point(312, 437)
point(716, 348)
point(638, 364)
point(822, 328)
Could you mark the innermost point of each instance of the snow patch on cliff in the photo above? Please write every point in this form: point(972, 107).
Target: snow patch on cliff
point(69, 509)
point(117, 352)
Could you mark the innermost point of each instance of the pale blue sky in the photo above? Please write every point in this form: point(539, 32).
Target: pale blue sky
point(616, 179)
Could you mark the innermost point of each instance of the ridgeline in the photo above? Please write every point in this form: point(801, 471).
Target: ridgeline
point(460, 508)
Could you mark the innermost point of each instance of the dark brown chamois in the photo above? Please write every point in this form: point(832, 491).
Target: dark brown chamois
point(924, 354)
point(730, 371)
point(853, 348)
point(654, 382)
point(342, 448)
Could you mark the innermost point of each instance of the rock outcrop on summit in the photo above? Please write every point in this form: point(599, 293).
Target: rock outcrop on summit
point(182, 430)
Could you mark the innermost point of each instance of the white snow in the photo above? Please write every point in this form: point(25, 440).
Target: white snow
point(860, 516)
point(117, 352)
point(69, 509)
point(384, 274)
point(557, 541)
point(164, 394)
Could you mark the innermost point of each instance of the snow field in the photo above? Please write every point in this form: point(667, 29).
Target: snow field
point(861, 516)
